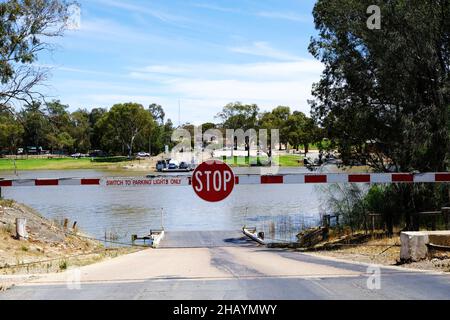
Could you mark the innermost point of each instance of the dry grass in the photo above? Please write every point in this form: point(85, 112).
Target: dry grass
point(384, 251)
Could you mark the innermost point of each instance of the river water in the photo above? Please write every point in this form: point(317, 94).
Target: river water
point(281, 211)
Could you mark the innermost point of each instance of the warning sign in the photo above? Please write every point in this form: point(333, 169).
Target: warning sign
point(141, 182)
point(213, 181)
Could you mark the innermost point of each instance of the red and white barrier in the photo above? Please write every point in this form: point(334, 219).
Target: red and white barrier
point(329, 178)
point(49, 182)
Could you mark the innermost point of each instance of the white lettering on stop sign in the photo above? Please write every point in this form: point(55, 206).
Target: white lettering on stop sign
point(213, 181)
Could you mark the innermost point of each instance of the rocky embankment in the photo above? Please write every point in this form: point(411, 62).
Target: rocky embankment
point(49, 248)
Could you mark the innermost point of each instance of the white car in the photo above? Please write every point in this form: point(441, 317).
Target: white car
point(77, 155)
point(143, 155)
point(174, 165)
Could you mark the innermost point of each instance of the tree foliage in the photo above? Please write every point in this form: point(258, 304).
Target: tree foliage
point(239, 116)
point(295, 128)
point(52, 127)
point(126, 123)
point(25, 29)
point(11, 132)
point(384, 95)
point(301, 130)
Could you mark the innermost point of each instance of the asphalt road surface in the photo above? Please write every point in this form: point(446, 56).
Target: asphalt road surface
point(226, 266)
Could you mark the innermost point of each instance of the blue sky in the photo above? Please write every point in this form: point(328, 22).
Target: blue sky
point(202, 53)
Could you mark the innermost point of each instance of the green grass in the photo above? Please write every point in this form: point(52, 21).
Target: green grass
point(283, 161)
point(86, 163)
point(291, 161)
point(53, 164)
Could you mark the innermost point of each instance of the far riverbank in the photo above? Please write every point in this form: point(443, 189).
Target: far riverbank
point(145, 165)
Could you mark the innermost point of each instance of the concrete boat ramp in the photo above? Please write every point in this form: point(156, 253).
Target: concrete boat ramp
point(204, 239)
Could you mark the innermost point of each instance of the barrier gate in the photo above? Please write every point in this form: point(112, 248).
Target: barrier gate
point(185, 180)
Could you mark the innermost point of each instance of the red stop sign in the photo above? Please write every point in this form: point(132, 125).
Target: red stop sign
point(213, 181)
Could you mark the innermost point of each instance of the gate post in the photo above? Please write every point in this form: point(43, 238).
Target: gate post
point(21, 229)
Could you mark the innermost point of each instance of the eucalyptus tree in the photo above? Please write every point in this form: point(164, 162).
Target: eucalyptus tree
point(384, 94)
point(26, 27)
point(126, 124)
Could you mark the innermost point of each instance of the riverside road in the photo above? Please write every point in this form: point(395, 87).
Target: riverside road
point(224, 265)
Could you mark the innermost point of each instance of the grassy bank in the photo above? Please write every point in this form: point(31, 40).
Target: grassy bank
point(86, 163)
point(56, 164)
point(282, 161)
point(290, 161)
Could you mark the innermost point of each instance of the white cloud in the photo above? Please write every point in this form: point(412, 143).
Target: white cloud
point(284, 16)
point(264, 71)
point(204, 88)
point(274, 93)
point(106, 36)
point(211, 86)
point(146, 10)
point(111, 31)
point(263, 49)
point(215, 7)
point(290, 16)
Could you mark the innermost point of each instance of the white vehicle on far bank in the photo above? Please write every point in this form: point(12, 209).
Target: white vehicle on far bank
point(143, 155)
point(173, 165)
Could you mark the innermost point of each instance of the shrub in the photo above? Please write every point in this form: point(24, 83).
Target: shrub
point(63, 265)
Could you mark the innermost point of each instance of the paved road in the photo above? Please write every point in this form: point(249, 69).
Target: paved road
point(236, 269)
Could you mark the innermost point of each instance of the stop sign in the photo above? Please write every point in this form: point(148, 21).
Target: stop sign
point(213, 181)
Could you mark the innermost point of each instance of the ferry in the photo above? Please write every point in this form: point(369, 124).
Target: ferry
point(170, 165)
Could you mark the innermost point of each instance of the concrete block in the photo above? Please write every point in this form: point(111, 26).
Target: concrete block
point(414, 244)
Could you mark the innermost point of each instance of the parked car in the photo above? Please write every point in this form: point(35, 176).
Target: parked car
point(184, 166)
point(79, 155)
point(98, 154)
point(173, 165)
point(143, 155)
point(161, 165)
point(34, 150)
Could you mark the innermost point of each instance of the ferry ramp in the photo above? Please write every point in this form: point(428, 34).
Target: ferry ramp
point(204, 239)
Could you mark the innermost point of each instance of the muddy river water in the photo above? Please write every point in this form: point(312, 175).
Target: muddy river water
point(279, 210)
